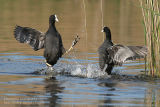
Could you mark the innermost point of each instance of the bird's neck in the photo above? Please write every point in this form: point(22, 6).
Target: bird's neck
point(108, 43)
point(52, 27)
point(108, 37)
point(108, 40)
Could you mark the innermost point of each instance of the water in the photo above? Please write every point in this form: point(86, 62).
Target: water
point(76, 80)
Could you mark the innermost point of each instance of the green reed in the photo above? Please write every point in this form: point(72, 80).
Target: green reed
point(151, 22)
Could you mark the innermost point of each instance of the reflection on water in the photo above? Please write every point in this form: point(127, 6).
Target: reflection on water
point(77, 81)
point(52, 89)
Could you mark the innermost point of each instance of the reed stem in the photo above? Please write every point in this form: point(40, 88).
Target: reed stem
point(151, 22)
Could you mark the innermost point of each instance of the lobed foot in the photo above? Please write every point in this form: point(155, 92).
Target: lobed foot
point(73, 43)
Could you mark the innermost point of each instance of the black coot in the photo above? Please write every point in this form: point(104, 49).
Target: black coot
point(111, 55)
point(51, 41)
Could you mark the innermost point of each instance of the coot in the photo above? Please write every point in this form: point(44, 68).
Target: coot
point(51, 41)
point(111, 55)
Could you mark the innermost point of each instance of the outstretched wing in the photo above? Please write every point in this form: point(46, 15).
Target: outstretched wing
point(120, 53)
point(30, 36)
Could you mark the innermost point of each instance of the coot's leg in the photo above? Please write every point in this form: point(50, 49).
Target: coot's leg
point(45, 70)
point(73, 43)
point(69, 49)
point(109, 68)
point(50, 67)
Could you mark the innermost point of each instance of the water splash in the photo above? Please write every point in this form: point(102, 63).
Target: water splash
point(89, 71)
point(78, 70)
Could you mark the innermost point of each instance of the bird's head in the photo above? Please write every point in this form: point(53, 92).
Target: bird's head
point(107, 32)
point(53, 18)
point(105, 29)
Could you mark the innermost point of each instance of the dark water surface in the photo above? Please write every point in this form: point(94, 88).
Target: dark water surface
point(77, 80)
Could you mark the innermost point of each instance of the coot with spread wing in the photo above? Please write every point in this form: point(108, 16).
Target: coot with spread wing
point(111, 54)
point(51, 41)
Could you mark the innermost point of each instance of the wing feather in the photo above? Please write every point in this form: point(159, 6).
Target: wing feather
point(30, 36)
point(119, 53)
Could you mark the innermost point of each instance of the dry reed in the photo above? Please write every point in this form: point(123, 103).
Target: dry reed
point(151, 15)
